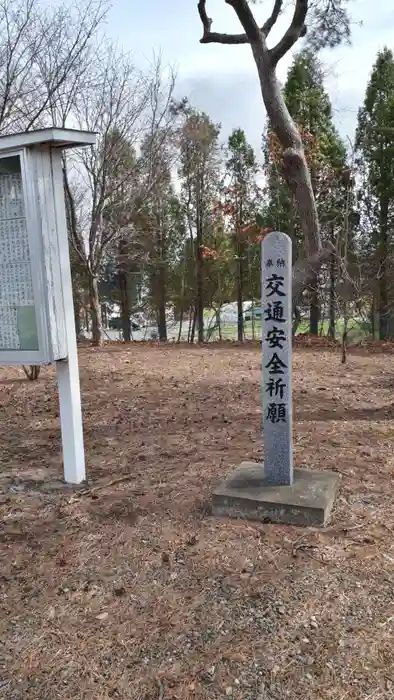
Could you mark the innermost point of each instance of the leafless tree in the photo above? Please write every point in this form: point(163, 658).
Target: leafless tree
point(44, 52)
point(125, 107)
point(328, 24)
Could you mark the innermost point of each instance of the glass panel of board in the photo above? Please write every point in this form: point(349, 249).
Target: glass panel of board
point(18, 324)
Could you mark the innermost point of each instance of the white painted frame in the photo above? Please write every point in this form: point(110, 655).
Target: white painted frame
point(36, 151)
point(33, 229)
point(44, 192)
point(67, 369)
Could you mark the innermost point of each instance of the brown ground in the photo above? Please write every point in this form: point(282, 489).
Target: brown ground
point(132, 590)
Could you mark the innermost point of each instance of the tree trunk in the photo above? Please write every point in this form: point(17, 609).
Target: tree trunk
point(77, 315)
point(383, 287)
point(331, 303)
point(87, 319)
point(344, 333)
point(219, 323)
point(240, 290)
point(162, 301)
point(32, 372)
point(314, 307)
point(251, 292)
point(373, 329)
point(383, 303)
point(104, 316)
point(322, 321)
point(125, 310)
point(181, 313)
point(162, 321)
point(199, 289)
point(295, 171)
point(180, 329)
point(182, 301)
point(95, 311)
point(253, 321)
point(192, 324)
point(296, 320)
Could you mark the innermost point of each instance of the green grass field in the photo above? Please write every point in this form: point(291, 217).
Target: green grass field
point(357, 330)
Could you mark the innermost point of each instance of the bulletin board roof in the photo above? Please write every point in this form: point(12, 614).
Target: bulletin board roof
point(54, 137)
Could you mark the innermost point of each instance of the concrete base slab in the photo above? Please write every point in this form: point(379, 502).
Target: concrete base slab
point(246, 494)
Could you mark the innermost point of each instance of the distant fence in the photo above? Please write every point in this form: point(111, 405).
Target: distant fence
point(226, 329)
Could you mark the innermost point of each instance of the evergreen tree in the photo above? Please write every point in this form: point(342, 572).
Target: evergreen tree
point(159, 227)
point(375, 159)
point(120, 160)
point(241, 167)
point(200, 176)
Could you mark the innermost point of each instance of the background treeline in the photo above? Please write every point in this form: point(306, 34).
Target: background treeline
point(166, 215)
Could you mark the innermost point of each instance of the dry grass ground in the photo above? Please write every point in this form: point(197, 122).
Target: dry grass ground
point(131, 590)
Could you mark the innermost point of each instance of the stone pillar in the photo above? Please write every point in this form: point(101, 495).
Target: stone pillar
point(269, 492)
point(276, 283)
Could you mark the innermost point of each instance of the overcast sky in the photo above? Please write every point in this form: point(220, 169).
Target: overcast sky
point(222, 80)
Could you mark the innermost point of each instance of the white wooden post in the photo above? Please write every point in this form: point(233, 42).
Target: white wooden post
point(71, 419)
point(67, 369)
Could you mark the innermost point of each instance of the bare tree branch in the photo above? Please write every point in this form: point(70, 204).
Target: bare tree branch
point(215, 37)
point(43, 52)
point(245, 16)
point(126, 108)
point(66, 59)
point(293, 33)
point(267, 26)
point(74, 230)
point(206, 21)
